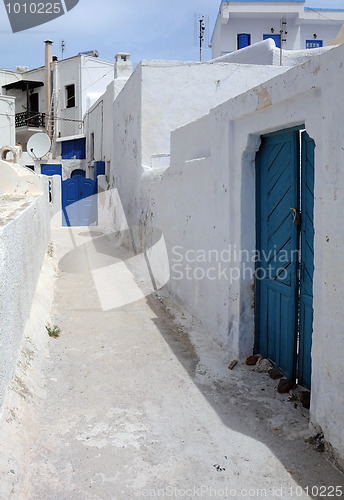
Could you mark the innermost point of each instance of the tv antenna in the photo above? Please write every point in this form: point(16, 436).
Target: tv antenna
point(63, 47)
point(283, 35)
point(201, 29)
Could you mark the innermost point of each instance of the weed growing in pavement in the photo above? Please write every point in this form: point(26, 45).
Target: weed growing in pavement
point(53, 331)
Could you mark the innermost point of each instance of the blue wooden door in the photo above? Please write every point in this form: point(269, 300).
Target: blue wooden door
point(79, 201)
point(284, 301)
point(307, 261)
point(277, 236)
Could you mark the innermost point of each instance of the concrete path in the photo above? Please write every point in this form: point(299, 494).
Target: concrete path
point(134, 409)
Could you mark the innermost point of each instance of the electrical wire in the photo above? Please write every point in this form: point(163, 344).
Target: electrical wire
point(322, 15)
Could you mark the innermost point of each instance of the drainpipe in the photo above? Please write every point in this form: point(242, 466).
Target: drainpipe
point(48, 85)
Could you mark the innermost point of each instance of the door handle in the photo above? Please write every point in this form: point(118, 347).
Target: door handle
point(296, 216)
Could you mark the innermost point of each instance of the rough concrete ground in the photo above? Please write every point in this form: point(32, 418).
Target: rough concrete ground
point(140, 404)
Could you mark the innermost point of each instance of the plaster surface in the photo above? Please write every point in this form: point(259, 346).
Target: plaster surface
point(24, 236)
point(140, 401)
point(205, 201)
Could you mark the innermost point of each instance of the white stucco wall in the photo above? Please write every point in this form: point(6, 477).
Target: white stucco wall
point(206, 201)
point(176, 93)
point(7, 76)
point(90, 76)
point(127, 143)
point(159, 97)
point(7, 121)
point(258, 18)
point(266, 53)
point(99, 122)
point(24, 236)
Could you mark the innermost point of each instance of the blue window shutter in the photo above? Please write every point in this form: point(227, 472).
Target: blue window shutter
point(244, 40)
point(275, 38)
point(74, 148)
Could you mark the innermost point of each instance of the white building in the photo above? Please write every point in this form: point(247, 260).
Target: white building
point(98, 122)
point(202, 198)
point(54, 99)
point(244, 22)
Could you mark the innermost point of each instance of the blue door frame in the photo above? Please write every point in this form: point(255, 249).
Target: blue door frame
point(79, 201)
point(285, 235)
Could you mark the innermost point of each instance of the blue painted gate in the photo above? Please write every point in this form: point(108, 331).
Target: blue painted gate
point(79, 201)
point(285, 235)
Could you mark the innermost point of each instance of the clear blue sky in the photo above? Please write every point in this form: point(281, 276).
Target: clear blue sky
point(148, 29)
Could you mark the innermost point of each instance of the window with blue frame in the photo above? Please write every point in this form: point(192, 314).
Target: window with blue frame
point(243, 40)
point(313, 44)
point(74, 149)
point(275, 38)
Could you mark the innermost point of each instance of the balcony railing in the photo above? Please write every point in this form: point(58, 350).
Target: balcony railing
point(30, 119)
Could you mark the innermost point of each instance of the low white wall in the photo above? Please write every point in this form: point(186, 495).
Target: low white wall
point(55, 204)
point(24, 236)
point(203, 204)
point(18, 180)
point(176, 93)
point(266, 53)
point(159, 97)
point(259, 53)
point(20, 411)
point(67, 166)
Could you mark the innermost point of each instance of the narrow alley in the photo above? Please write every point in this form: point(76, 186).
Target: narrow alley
point(138, 404)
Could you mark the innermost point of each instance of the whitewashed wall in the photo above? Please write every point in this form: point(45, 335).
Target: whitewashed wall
point(7, 121)
point(266, 53)
point(236, 18)
point(99, 122)
point(7, 76)
point(127, 144)
point(24, 236)
point(90, 77)
point(159, 97)
point(176, 93)
point(206, 201)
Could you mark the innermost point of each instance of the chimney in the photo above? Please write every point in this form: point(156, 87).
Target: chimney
point(48, 85)
point(123, 67)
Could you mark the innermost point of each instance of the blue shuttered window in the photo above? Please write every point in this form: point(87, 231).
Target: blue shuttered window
point(313, 44)
point(244, 40)
point(75, 148)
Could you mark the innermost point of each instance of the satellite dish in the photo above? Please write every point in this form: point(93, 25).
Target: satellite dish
point(38, 145)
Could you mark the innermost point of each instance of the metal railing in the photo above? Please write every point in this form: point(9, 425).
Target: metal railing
point(30, 119)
